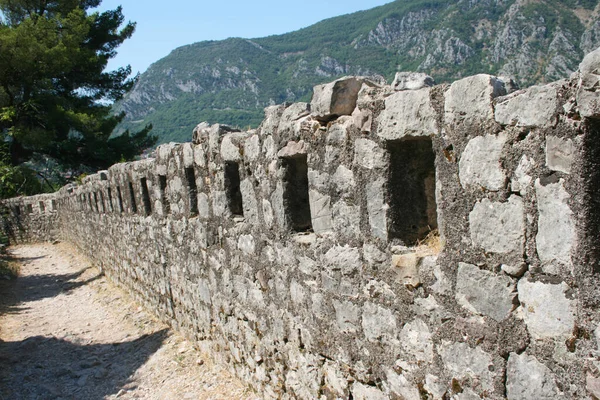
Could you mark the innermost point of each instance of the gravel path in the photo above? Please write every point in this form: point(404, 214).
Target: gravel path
point(68, 333)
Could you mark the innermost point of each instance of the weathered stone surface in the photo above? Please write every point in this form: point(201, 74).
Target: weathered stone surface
point(556, 228)
point(588, 99)
point(346, 219)
point(479, 164)
point(463, 361)
point(546, 309)
point(246, 244)
point(344, 258)
point(347, 316)
point(400, 387)
point(378, 323)
point(249, 202)
point(470, 99)
point(411, 81)
point(293, 149)
point(343, 179)
point(484, 292)
point(527, 379)
point(498, 227)
point(559, 154)
point(368, 154)
point(535, 106)
point(363, 392)
point(252, 148)
point(229, 150)
point(522, 179)
point(407, 268)
point(408, 113)
point(415, 338)
point(320, 208)
point(592, 384)
point(336, 98)
point(377, 209)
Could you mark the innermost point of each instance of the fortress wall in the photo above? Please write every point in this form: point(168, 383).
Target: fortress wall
point(304, 254)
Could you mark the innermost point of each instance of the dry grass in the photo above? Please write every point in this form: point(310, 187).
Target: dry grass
point(431, 245)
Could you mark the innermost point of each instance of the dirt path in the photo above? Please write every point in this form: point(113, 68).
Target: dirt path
point(67, 333)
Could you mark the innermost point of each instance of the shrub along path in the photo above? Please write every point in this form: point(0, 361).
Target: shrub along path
point(68, 333)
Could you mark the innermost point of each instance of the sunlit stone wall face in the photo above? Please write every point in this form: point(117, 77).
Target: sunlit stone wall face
point(439, 242)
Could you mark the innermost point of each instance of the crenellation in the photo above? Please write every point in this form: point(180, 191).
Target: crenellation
point(430, 242)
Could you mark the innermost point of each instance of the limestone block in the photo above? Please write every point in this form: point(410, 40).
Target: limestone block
point(556, 227)
point(267, 213)
point(378, 323)
point(346, 219)
point(294, 149)
point(337, 134)
point(372, 255)
point(463, 361)
point(318, 180)
point(527, 379)
point(336, 98)
point(343, 258)
point(249, 202)
point(364, 392)
point(479, 164)
point(252, 148)
point(498, 227)
point(546, 310)
point(484, 292)
point(588, 94)
point(470, 99)
point(343, 179)
point(535, 106)
point(203, 206)
point(412, 81)
point(407, 113)
point(592, 384)
point(377, 209)
point(268, 148)
point(400, 387)
point(246, 244)
point(335, 383)
point(199, 156)
point(200, 133)
point(277, 204)
point(415, 338)
point(320, 210)
point(271, 122)
point(368, 154)
point(433, 386)
point(521, 181)
point(290, 123)
point(407, 267)
point(188, 154)
point(347, 316)
point(297, 292)
point(559, 154)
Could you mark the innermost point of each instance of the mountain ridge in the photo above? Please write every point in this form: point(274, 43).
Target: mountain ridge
point(232, 80)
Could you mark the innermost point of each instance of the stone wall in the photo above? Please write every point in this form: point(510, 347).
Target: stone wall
point(306, 254)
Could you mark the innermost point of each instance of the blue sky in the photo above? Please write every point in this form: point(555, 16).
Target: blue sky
point(163, 26)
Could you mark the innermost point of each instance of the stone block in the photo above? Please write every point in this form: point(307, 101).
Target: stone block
point(527, 378)
point(463, 361)
point(588, 95)
point(407, 268)
point(346, 219)
point(483, 292)
point(334, 99)
point(559, 154)
point(344, 182)
point(379, 323)
point(364, 392)
point(411, 81)
point(408, 113)
point(343, 258)
point(246, 244)
point(556, 227)
point(546, 309)
point(479, 164)
point(535, 106)
point(415, 339)
point(320, 209)
point(249, 202)
point(368, 154)
point(294, 149)
point(252, 148)
point(347, 316)
point(470, 99)
point(400, 387)
point(498, 227)
point(377, 209)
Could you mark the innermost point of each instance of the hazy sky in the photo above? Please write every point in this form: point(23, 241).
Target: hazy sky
point(164, 25)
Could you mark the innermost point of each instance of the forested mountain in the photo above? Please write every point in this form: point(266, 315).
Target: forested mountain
point(231, 81)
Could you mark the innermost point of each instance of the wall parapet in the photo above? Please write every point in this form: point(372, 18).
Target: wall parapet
point(433, 242)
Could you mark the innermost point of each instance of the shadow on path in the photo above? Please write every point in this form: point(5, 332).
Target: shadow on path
point(50, 368)
point(15, 292)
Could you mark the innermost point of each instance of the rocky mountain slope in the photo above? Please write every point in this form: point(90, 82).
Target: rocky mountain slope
point(231, 81)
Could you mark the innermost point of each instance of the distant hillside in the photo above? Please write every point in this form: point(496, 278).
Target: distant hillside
point(231, 81)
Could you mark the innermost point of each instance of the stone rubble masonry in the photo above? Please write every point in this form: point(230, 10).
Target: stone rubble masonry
point(286, 252)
